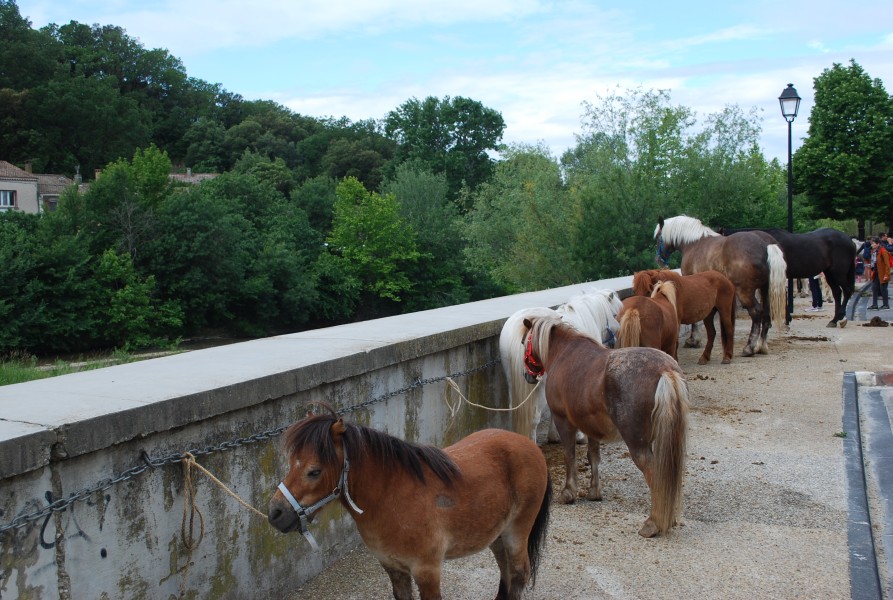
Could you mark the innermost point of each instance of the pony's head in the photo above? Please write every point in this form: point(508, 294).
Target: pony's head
point(536, 351)
point(318, 469)
point(675, 232)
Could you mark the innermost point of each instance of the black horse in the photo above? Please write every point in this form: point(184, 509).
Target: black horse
point(824, 250)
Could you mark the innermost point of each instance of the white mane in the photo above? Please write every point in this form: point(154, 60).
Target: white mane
point(593, 312)
point(682, 230)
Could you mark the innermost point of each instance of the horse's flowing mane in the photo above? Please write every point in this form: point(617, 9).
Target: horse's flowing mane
point(592, 313)
point(364, 444)
point(541, 333)
point(680, 230)
point(667, 289)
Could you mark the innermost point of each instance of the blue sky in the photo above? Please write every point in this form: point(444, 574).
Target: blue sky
point(534, 61)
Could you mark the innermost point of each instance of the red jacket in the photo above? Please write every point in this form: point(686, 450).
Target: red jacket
point(882, 267)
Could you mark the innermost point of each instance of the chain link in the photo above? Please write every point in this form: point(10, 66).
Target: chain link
point(62, 504)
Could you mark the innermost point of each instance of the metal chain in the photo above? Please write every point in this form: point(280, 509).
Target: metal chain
point(153, 463)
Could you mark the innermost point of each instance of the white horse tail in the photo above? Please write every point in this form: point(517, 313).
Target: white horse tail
point(777, 280)
point(630, 333)
point(669, 421)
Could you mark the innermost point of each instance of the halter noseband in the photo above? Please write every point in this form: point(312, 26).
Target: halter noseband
point(529, 361)
point(662, 257)
point(304, 513)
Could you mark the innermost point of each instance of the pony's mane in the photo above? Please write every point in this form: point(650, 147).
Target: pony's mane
point(364, 444)
point(592, 313)
point(667, 289)
point(541, 333)
point(682, 230)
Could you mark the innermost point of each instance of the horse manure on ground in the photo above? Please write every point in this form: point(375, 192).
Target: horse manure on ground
point(876, 322)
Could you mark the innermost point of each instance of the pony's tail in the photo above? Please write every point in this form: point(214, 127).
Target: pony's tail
point(670, 425)
point(777, 297)
point(630, 332)
point(536, 540)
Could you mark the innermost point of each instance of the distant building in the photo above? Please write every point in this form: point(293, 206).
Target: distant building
point(21, 190)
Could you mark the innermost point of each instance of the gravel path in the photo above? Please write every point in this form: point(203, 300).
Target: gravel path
point(764, 504)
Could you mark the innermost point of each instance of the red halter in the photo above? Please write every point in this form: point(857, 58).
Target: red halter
point(530, 362)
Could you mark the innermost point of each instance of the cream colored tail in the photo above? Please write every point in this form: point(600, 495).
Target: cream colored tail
point(630, 333)
point(670, 426)
point(777, 286)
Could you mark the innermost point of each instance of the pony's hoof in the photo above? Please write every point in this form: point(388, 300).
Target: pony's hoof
point(727, 361)
point(703, 361)
point(567, 497)
point(690, 343)
point(594, 496)
point(764, 349)
point(831, 324)
point(649, 529)
point(747, 351)
point(842, 323)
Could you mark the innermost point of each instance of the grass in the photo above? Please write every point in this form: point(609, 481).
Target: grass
point(19, 369)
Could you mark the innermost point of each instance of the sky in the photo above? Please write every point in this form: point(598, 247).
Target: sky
point(534, 61)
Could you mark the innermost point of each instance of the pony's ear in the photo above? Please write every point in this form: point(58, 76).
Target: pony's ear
point(660, 222)
point(527, 323)
point(338, 429)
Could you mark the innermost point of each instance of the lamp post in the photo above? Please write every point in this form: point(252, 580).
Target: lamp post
point(790, 104)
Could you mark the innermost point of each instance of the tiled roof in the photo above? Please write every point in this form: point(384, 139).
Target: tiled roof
point(52, 184)
point(10, 171)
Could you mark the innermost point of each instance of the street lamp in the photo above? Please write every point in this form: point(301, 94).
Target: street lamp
point(790, 104)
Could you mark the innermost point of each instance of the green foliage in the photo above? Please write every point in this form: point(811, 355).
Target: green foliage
point(845, 165)
point(373, 243)
point(519, 231)
point(424, 202)
point(450, 136)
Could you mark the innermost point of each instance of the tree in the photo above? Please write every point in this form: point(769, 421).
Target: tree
point(520, 231)
point(451, 136)
point(27, 57)
point(373, 244)
point(845, 165)
point(439, 275)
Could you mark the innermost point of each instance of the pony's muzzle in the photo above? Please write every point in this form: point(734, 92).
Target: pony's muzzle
point(281, 515)
point(530, 378)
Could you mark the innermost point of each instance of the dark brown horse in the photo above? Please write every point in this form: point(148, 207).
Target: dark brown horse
point(752, 260)
point(638, 395)
point(824, 250)
point(699, 297)
point(416, 505)
point(651, 321)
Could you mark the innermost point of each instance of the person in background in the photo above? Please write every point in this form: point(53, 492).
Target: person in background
point(815, 290)
point(865, 253)
point(880, 274)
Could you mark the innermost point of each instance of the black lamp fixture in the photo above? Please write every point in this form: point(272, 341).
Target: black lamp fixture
point(790, 104)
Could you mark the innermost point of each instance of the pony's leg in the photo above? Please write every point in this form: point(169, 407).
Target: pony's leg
point(427, 577)
point(755, 310)
point(567, 432)
point(710, 328)
point(595, 458)
point(763, 345)
point(727, 331)
point(643, 458)
point(514, 567)
point(401, 582)
point(693, 341)
point(555, 437)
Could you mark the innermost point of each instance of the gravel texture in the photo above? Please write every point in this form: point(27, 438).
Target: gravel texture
point(764, 512)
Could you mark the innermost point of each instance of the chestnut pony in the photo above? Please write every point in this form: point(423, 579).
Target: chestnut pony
point(416, 505)
point(699, 297)
point(752, 260)
point(651, 321)
point(638, 395)
point(592, 312)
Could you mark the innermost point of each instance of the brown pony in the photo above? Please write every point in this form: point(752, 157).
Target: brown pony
point(651, 321)
point(699, 297)
point(635, 394)
point(752, 260)
point(416, 505)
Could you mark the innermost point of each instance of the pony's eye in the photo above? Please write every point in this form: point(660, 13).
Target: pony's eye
point(314, 473)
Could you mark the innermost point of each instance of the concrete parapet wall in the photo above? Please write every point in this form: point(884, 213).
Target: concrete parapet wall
point(107, 447)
